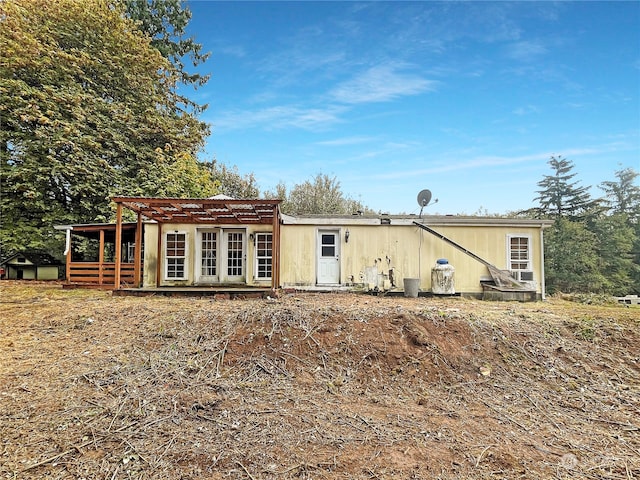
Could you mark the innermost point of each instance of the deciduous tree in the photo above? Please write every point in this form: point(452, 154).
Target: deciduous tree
point(86, 104)
point(321, 195)
point(230, 182)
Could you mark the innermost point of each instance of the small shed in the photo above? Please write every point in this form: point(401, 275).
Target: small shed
point(31, 266)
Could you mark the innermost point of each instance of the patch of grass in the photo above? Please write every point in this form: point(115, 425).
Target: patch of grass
point(587, 328)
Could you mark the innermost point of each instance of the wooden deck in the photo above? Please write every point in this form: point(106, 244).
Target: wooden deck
point(98, 274)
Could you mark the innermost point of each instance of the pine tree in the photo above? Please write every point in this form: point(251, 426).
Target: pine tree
point(559, 196)
point(623, 196)
point(571, 260)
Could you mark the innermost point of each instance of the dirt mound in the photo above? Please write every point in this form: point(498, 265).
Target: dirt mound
point(315, 386)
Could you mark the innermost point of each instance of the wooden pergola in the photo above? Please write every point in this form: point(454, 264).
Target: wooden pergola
point(205, 211)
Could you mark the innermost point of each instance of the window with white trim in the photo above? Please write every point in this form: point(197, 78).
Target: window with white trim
point(175, 255)
point(519, 257)
point(264, 255)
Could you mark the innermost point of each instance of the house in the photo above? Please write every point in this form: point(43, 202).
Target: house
point(30, 266)
point(241, 245)
point(386, 252)
point(223, 244)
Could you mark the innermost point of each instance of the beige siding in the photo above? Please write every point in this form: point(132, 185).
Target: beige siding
point(298, 254)
point(408, 250)
point(150, 255)
point(191, 230)
point(404, 248)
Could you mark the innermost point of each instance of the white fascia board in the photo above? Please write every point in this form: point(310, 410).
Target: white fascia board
point(337, 220)
point(391, 220)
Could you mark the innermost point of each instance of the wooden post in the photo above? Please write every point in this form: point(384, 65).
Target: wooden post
point(101, 259)
point(118, 244)
point(137, 267)
point(275, 246)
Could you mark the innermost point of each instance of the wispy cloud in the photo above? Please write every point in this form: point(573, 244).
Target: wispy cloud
point(230, 50)
point(381, 83)
point(289, 66)
point(339, 142)
point(484, 162)
point(526, 51)
point(526, 110)
point(278, 117)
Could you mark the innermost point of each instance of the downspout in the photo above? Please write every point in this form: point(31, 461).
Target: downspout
point(420, 257)
point(67, 254)
point(67, 246)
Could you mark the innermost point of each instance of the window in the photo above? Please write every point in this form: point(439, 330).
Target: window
point(175, 255)
point(519, 257)
point(130, 252)
point(328, 244)
point(264, 255)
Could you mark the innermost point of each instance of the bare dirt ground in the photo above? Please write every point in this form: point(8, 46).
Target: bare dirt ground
point(313, 386)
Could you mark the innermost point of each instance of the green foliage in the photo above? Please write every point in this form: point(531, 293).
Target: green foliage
point(635, 274)
point(571, 259)
point(615, 239)
point(593, 246)
point(231, 183)
point(623, 196)
point(165, 21)
point(86, 105)
point(560, 197)
point(322, 195)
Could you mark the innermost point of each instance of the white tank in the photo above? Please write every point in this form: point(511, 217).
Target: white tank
point(442, 278)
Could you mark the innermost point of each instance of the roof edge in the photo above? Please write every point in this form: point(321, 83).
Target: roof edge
point(407, 220)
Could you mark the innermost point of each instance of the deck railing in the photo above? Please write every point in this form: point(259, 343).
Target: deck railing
point(96, 274)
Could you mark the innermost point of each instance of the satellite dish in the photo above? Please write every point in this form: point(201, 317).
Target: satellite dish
point(424, 197)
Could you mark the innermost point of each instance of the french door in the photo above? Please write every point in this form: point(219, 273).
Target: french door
point(207, 268)
point(221, 256)
point(234, 246)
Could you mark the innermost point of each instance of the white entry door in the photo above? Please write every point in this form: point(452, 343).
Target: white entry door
point(328, 257)
point(234, 253)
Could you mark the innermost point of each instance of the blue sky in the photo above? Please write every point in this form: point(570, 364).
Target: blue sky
point(468, 100)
